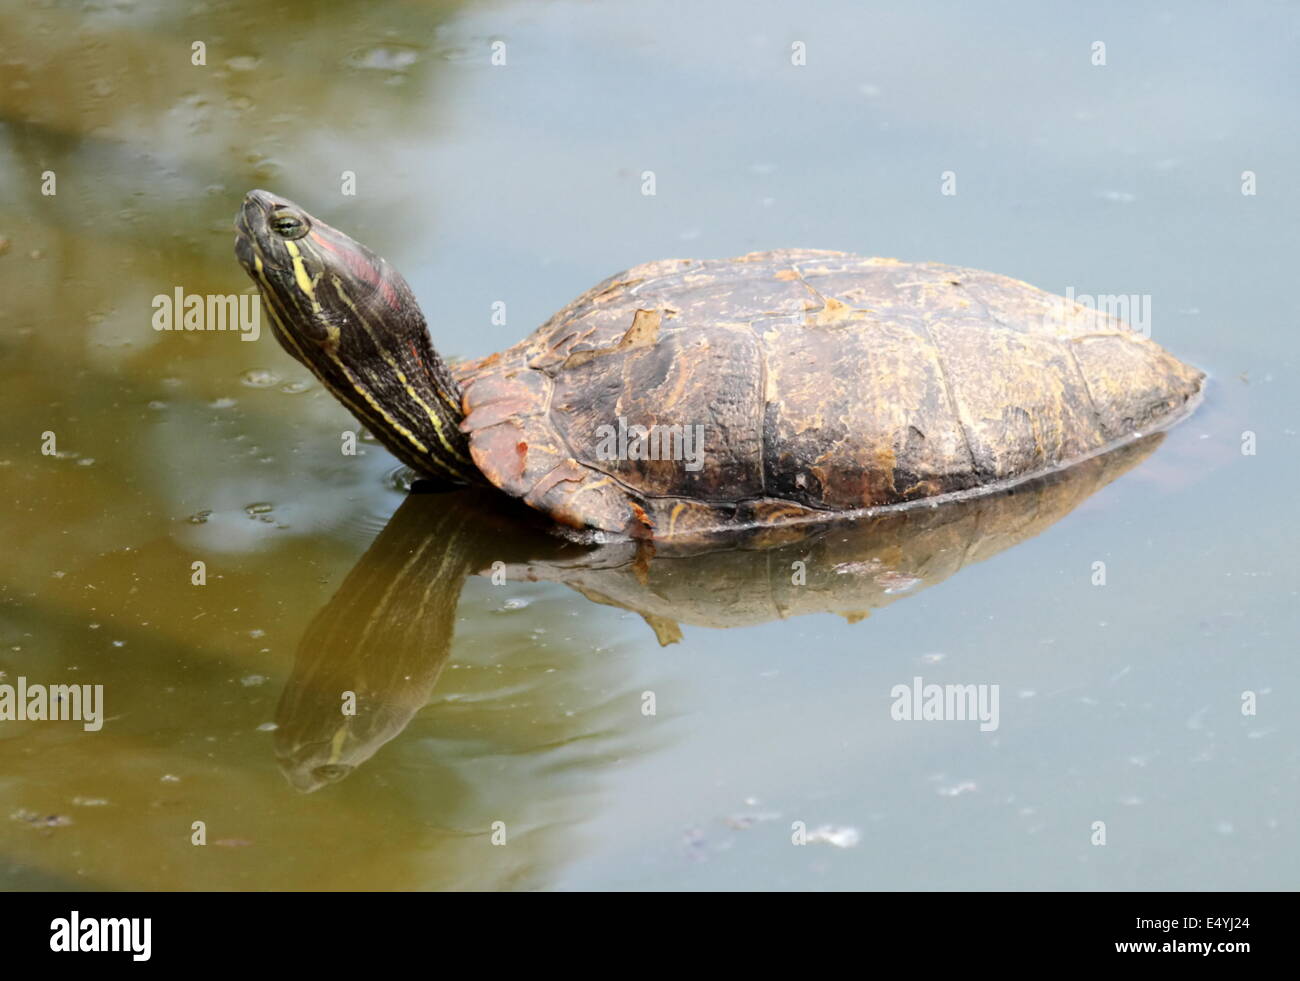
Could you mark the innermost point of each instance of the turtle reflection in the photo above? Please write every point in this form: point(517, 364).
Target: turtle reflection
point(386, 635)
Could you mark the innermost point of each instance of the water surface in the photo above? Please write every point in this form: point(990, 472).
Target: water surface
point(523, 703)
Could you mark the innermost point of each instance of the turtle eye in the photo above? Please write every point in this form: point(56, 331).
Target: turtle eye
point(288, 224)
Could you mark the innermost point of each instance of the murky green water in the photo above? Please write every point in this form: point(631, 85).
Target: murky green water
point(523, 703)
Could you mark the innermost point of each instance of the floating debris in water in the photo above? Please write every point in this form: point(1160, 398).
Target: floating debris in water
point(839, 837)
point(384, 58)
point(693, 839)
point(742, 821)
point(40, 820)
point(259, 378)
point(457, 53)
point(957, 789)
point(857, 568)
point(896, 582)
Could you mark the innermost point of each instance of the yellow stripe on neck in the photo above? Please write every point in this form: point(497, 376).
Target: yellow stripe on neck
point(401, 375)
point(363, 416)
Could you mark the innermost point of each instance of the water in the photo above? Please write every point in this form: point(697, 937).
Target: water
point(525, 703)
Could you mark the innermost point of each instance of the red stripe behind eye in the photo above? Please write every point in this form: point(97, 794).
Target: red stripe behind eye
point(354, 260)
point(362, 268)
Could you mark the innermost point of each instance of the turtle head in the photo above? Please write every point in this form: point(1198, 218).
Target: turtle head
point(348, 316)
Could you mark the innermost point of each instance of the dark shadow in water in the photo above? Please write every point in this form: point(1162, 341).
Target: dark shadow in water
point(387, 632)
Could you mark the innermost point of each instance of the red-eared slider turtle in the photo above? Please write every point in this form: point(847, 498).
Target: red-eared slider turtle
point(688, 396)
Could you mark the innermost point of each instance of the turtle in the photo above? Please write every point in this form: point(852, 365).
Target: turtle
point(698, 397)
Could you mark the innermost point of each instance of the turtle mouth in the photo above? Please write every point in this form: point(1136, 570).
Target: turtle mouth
point(244, 249)
point(251, 237)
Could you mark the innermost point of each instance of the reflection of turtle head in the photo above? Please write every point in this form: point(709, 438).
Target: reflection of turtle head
point(371, 658)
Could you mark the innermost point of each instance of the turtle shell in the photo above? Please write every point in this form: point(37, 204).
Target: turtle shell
point(798, 385)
